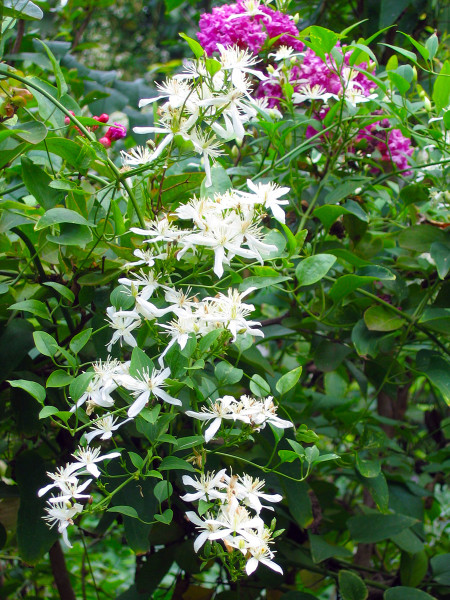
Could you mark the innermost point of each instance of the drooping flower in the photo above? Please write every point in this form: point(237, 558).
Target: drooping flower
point(144, 385)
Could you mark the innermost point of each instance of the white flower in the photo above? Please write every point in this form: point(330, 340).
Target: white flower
point(207, 528)
point(161, 230)
point(62, 514)
point(283, 52)
point(176, 90)
point(147, 281)
point(249, 491)
point(143, 385)
point(88, 457)
point(145, 257)
point(207, 487)
point(232, 312)
point(104, 428)
point(123, 321)
point(173, 125)
point(71, 490)
point(62, 476)
point(268, 195)
point(239, 62)
point(141, 155)
point(98, 393)
point(234, 519)
point(251, 9)
point(264, 555)
point(308, 92)
point(261, 412)
point(222, 408)
point(208, 146)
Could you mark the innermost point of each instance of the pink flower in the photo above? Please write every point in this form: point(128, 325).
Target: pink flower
point(116, 132)
point(222, 26)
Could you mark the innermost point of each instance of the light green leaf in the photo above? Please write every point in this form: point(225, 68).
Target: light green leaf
point(45, 343)
point(314, 268)
point(22, 9)
point(35, 307)
point(58, 379)
point(55, 216)
point(288, 381)
point(259, 386)
point(380, 318)
point(34, 389)
point(64, 291)
point(78, 342)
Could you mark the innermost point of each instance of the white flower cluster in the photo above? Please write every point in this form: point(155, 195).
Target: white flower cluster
point(62, 508)
point(207, 99)
point(223, 224)
point(253, 411)
point(229, 518)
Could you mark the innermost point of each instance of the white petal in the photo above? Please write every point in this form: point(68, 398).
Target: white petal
point(212, 429)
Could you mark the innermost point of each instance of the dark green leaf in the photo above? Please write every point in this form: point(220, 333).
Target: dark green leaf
point(34, 389)
point(314, 268)
point(374, 527)
point(406, 593)
point(351, 586)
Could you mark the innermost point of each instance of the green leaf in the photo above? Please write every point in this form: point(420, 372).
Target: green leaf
point(140, 362)
point(226, 374)
point(351, 586)
point(406, 593)
point(208, 340)
point(440, 253)
point(166, 517)
point(408, 541)
point(189, 442)
point(129, 511)
point(441, 88)
point(193, 45)
point(424, 52)
point(32, 132)
point(432, 44)
point(79, 341)
point(405, 53)
point(79, 384)
point(262, 282)
point(37, 183)
point(34, 389)
point(60, 81)
point(379, 491)
point(413, 568)
point(303, 434)
point(437, 370)
point(22, 9)
point(374, 528)
point(58, 379)
point(419, 238)
point(380, 318)
point(288, 381)
point(136, 459)
point(47, 411)
point(439, 565)
point(35, 307)
point(163, 490)
point(55, 216)
point(64, 291)
point(314, 268)
point(346, 284)
point(45, 343)
point(31, 475)
point(322, 550)
point(259, 386)
point(169, 463)
point(220, 183)
point(365, 341)
point(368, 468)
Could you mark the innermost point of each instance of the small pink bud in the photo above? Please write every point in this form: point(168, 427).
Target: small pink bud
point(105, 141)
point(103, 118)
point(116, 132)
point(67, 119)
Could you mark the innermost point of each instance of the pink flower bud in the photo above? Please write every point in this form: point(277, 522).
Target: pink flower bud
point(116, 132)
point(105, 141)
point(67, 119)
point(103, 118)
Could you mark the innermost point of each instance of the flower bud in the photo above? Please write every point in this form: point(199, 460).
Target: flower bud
point(105, 141)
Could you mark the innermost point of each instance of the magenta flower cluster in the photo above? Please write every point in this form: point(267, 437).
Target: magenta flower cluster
point(223, 27)
point(391, 145)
